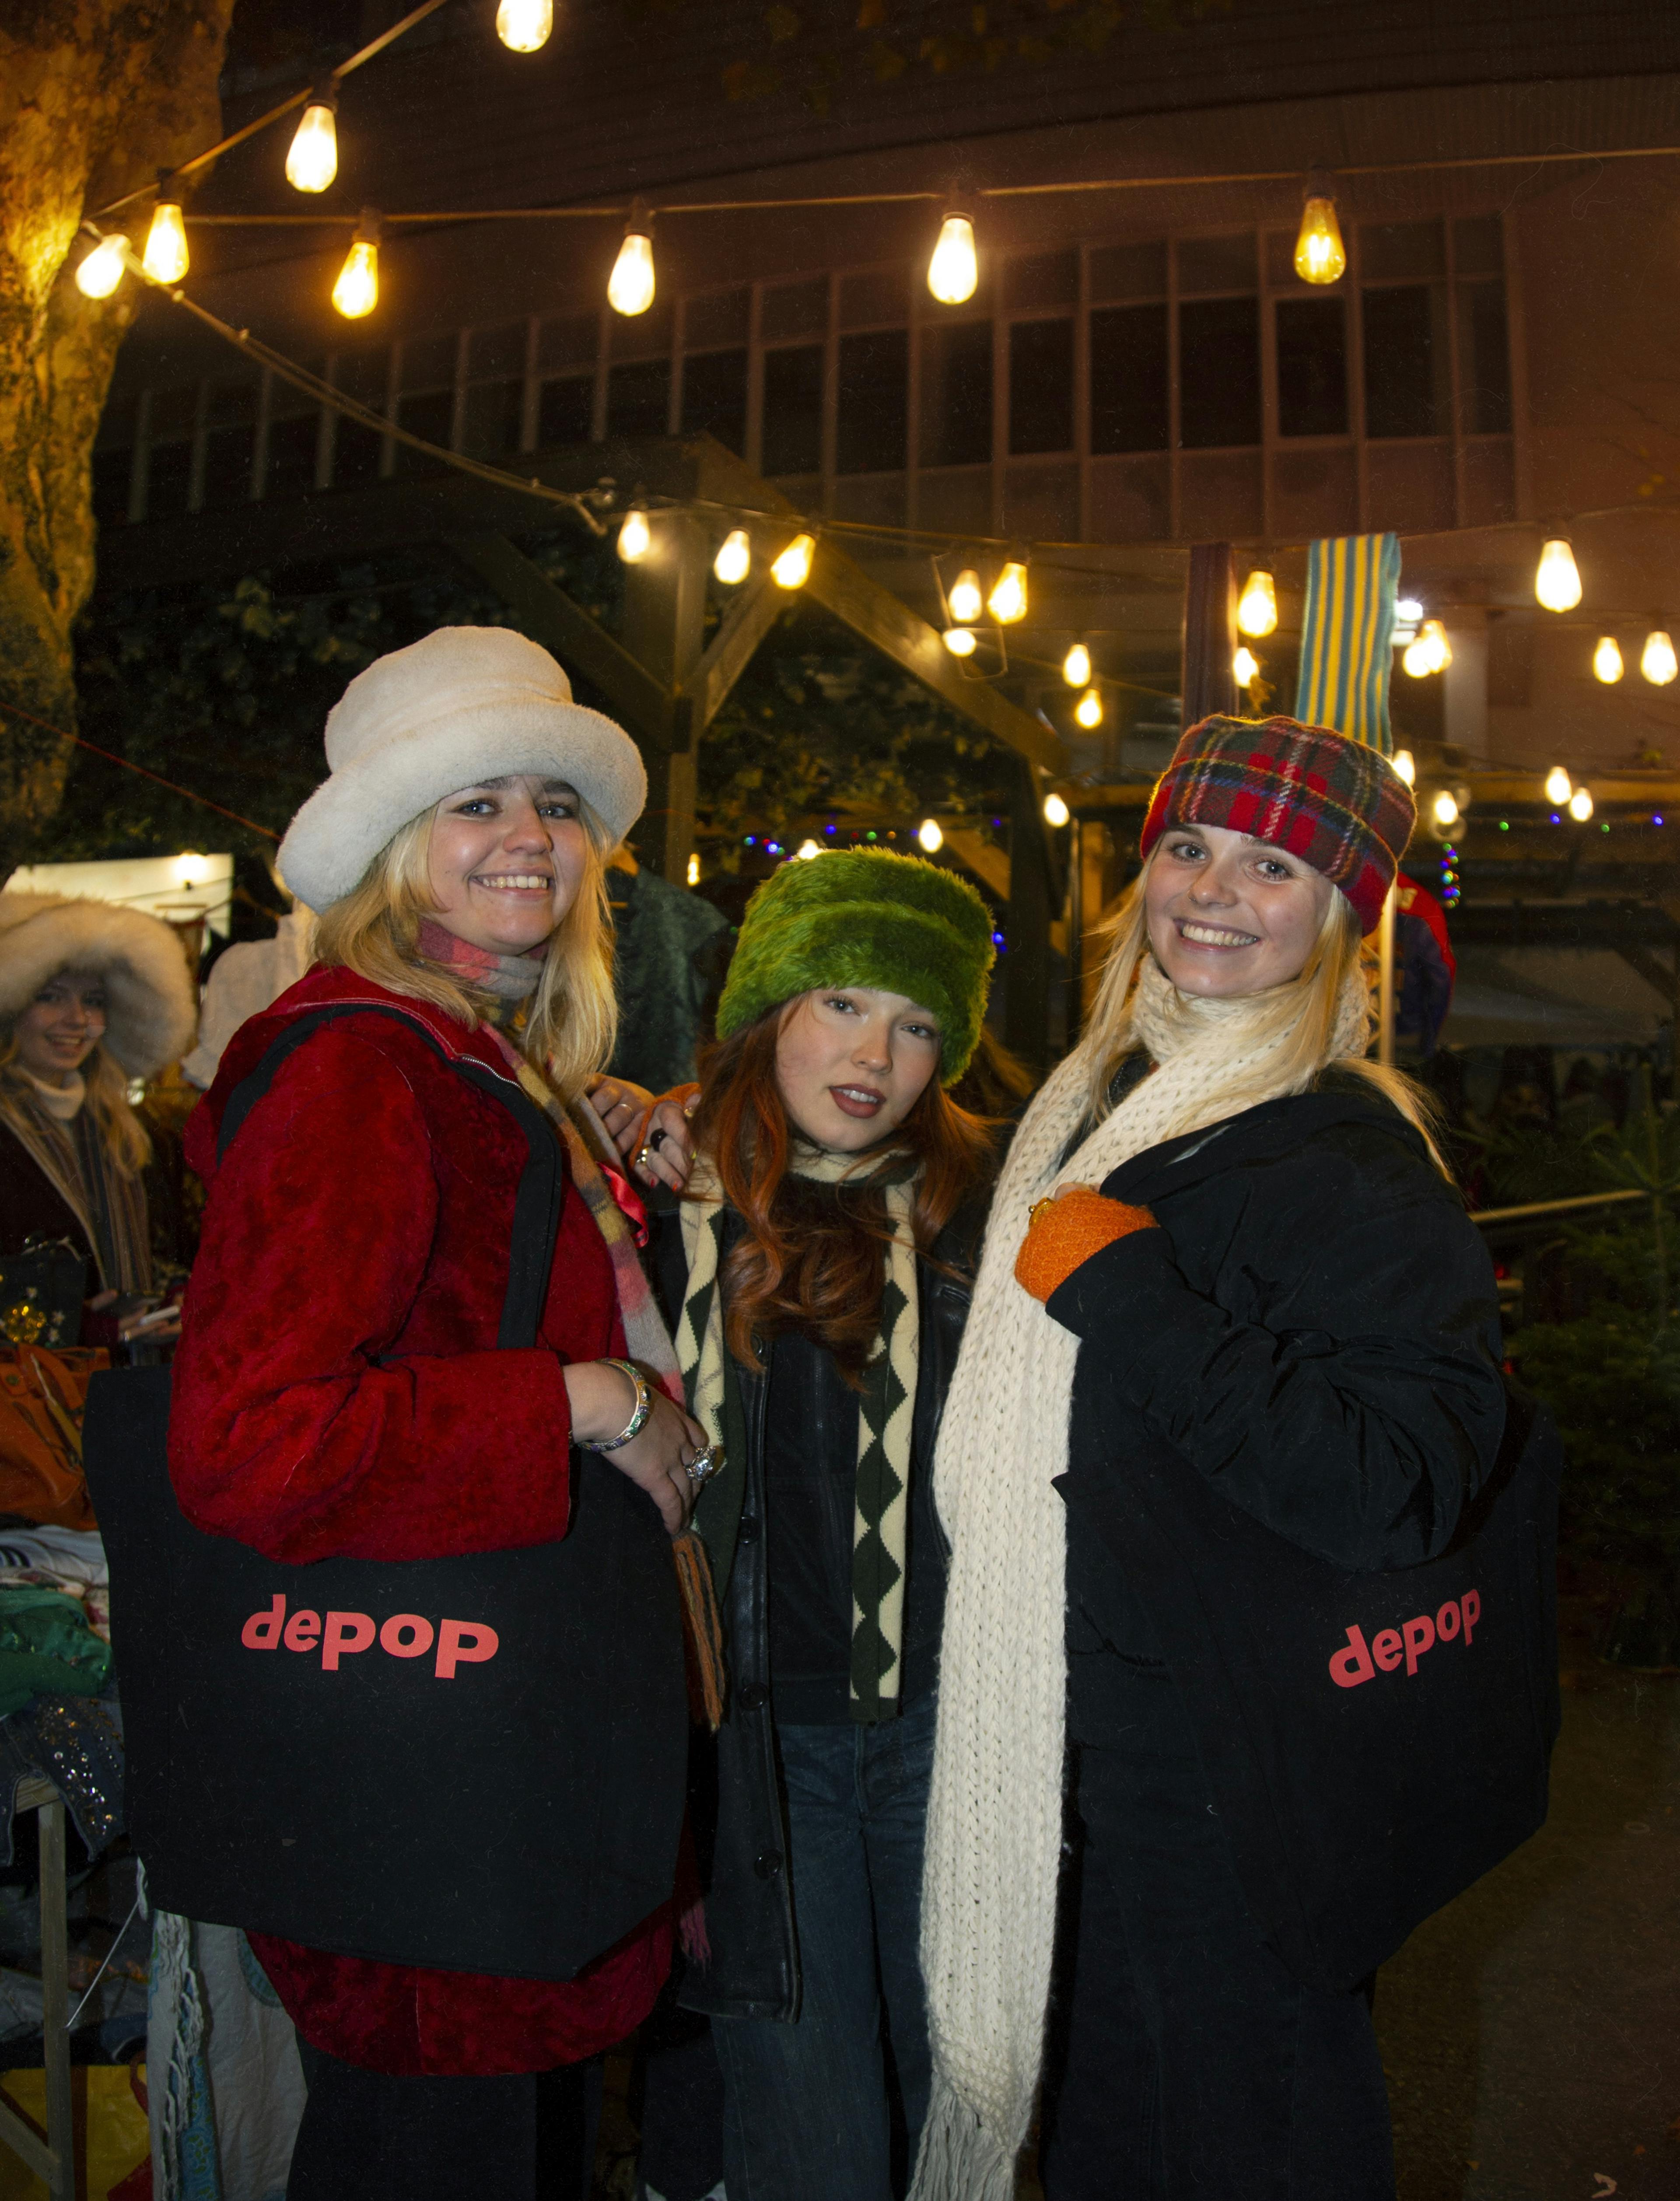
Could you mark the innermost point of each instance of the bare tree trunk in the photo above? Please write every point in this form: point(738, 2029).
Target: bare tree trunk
point(95, 96)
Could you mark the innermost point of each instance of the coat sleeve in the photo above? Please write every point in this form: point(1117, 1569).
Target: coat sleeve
point(291, 1428)
point(1356, 1402)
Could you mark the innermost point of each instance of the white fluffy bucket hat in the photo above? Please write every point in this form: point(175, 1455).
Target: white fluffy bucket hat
point(466, 703)
point(152, 1001)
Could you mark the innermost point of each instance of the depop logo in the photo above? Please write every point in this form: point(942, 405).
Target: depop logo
point(1357, 1662)
point(343, 1635)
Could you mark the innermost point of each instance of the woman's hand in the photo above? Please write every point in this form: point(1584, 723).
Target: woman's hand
point(623, 1108)
point(666, 1153)
point(656, 1460)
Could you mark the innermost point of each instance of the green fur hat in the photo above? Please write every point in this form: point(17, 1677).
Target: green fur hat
point(863, 917)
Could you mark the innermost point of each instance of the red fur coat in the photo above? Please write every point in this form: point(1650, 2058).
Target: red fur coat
point(339, 1390)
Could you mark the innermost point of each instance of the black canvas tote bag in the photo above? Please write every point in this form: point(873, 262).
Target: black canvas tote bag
point(1373, 1742)
point(475, 1763)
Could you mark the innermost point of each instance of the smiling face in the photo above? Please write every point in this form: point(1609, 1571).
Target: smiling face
point(851, 1062)
point(1229, 914)
point(505, 861)
point(61, 1027)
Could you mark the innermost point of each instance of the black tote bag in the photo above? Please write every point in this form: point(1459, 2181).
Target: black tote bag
point(1373, 1742)
point(475, 1763)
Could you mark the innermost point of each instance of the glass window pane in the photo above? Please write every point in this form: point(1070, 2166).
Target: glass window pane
point(1485, 358)
point(874, 295)
point(1219, 372)
point(1479, 245)
point(796, 309)
point(363, 372)
point(573, 342)
point(292, 446)
point(1047, 278)
point(1312, 366)
point(1128, 271)
point(714, 398)
point(1218, 263)
point(1128, 378)
point(566, 410)
point(638, 397)
point(228, 466)
point(1401, 248)
point(168, 473)
point(427, 363)
point(793, 435)
point(112, 469)
point(1041, 386)
point(496, 352)
point(492, 417)
point(719, 317)
point(1405, 362)
point(432, 414)
point(872, 434)
point(957, 395)
point(355, 455)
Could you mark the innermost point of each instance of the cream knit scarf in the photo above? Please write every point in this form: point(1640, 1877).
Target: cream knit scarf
point(994, 1825)
point(886, 1406)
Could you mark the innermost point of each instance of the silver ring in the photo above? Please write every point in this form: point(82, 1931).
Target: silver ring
point(644, 1158)
point(704, 1465)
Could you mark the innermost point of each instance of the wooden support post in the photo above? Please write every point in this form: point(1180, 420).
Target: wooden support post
point(664, 621)
point(1027, 986)
point(56, 2003)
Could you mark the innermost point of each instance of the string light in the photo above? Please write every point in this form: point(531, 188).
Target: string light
point(695, 869)
point(807, 849)
point(1245, 666)
point(1056, 810)
point(1445, 809)
point(953, 271)
point(959, 641)
point(1607, 661)
point(1432, 638)
point(522, 25)
point(1418, 660)
point(1007, 602)
point(165, 259)
point(356, 292)
point(733, 561)
point(1405, 766)
point(1557, 580)
point(965, 599)
point(1558, 787)
point(635, 536)
point(1088, 711)
point(1257, 606)
point(630, 288)
point(1580, 806)
point(102, 269)
point(1657, 659)
point(792, 570)
point(928, 834)
point(1320, 256)
point(1076, 666)
point(311, 162)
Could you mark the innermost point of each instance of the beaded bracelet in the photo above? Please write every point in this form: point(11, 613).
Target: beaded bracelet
point(644, 1406)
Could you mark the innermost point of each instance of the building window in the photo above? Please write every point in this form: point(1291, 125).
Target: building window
point(792, 426)
point(1312, 366)
point(1219, 372)
point(293, 439)
point(171, 418)
point(638, 397)
point(1405, 361)
point(957, 395)
point(565, 410)
point(872, 431)
point(229, 442)
point(1130, 408)
point(1041, 386)
point(113, 474)
point(493, 409)
point(1484, 359)
point(363, 375)
point(714, 396)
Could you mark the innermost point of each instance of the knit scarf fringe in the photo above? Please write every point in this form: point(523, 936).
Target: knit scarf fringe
point(995, 1811)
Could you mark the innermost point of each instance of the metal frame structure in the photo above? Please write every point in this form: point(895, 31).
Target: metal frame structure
point(50, 2155)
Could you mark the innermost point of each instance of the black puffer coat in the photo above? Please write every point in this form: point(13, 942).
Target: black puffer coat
point(753, 1970)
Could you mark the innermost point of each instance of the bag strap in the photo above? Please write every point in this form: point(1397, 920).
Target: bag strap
point(536, 1204)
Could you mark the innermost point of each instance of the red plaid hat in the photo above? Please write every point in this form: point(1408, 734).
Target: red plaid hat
point(1337, 804)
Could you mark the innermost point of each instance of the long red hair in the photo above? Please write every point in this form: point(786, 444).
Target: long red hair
point(812, 1256)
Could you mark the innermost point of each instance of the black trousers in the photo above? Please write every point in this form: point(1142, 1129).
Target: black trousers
point(1186, 2062)
point(366, 2136)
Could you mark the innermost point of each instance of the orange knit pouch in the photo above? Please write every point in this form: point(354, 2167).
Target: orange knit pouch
point(1063, 1234)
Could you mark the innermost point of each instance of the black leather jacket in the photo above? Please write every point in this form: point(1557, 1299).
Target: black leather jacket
point(753, 1970)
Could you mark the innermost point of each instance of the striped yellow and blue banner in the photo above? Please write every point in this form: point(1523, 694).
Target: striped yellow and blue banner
point(1347, 637)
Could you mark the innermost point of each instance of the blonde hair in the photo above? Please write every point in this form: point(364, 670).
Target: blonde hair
point(573, 1019)
point(124, 1137)
point(1301, 1013)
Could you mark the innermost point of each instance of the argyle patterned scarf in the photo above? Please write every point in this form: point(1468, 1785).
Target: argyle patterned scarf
point(886, 1406)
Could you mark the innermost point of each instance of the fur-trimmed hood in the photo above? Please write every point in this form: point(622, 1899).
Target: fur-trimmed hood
point(153, 1001)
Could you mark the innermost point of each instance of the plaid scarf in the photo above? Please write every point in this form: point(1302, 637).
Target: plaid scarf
point(110, 1206)
point(886, 1406)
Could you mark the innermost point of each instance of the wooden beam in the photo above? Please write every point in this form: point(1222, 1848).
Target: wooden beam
point(1663, 980)
point(743, 627)
point(551, 617)
point(988, 862)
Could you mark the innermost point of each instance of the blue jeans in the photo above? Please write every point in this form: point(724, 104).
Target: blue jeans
point(805, 2107)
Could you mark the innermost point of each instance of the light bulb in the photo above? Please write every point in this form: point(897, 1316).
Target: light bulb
point(1417, 659)
point(1089, 709)
point(1257, 606)
point(808, 849)
point(356, 292)
point(959, 641)
point(1433, 638)
point(1007, 602)
point(1243, 665)
point(522, 25)
point(954, 271)
point(1557, 787)
point(1405, 766)
point(733, 561)
point(312, 161)
point(635, 536)
point(1076, 666)
point(1657, 661)
point(166, 256)
point(191, 869)
point(1580, 806)
point(965, 599)
point(695, 869)
point(928, 832)
point(1607, 661)
point(1056, 810)
point(792, 570)
point(1557, 583)
point(102, 269)
point(1445, 808)
point(630, 288)
point(1320, 256)
point(1409, 611)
